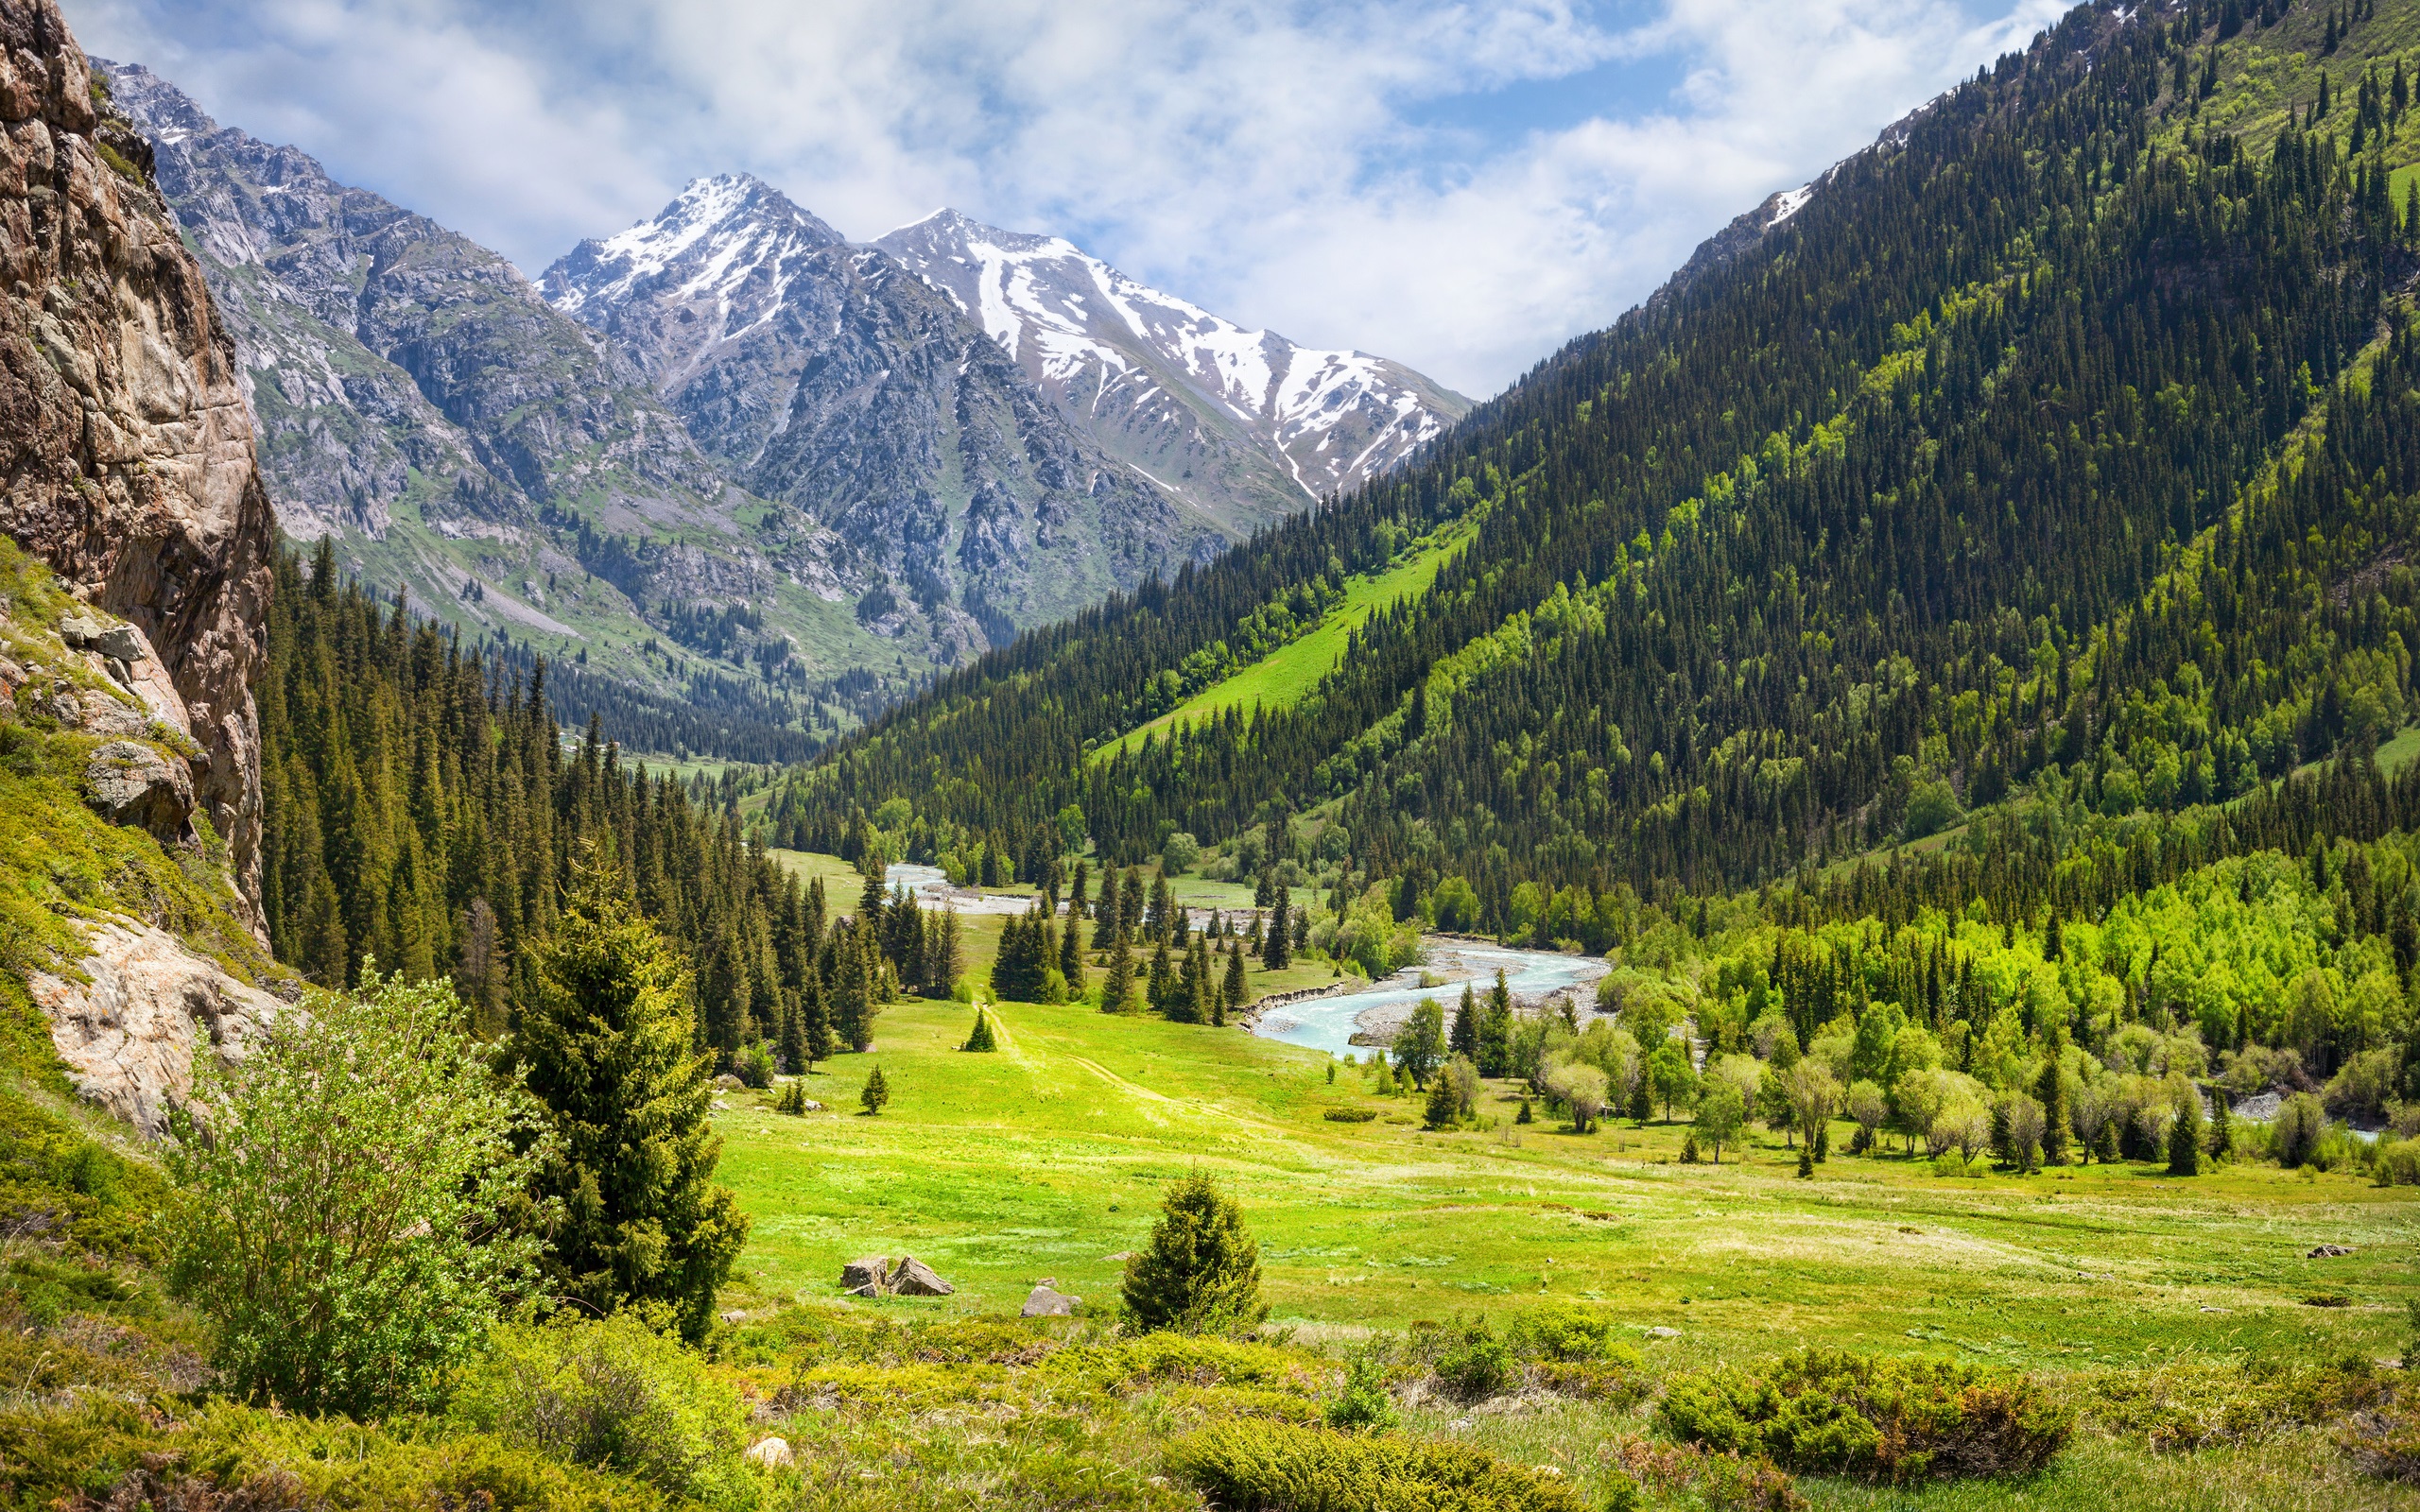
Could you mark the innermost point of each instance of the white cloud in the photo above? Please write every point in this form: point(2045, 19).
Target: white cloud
point(1262, 158)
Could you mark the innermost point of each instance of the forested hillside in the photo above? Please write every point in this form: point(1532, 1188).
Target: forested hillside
point(2070, 430)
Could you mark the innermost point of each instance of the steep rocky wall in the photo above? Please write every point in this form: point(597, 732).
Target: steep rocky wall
point(126, 449)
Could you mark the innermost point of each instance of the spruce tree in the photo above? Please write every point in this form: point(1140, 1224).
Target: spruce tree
point(944, 955)
point(1130, 906)
point(981, 1038)
point(2185, 1137)
point(1118, 988)
point(1200, 1271)
point(2221, 1126)
point(816, 1019)
point(853, 992)
point(1161, 918)
point(1463, 1038)
point(1232, 997)
point(1642, 1103)
point(605, 1047)
point(1107, 926)
point(1277, 950)
point(1071, 958)
point(876, 1093)
point(1443, 1107)
point(793, 1046)
point(1160, 984)
point(2050, 1091)
point(1495, 1055)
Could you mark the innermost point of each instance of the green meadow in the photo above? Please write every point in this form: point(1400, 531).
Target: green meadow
point(1280, 679)
point(1046, 1161)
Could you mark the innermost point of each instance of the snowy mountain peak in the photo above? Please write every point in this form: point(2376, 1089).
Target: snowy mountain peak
point(1162, 380)
point(718, 236)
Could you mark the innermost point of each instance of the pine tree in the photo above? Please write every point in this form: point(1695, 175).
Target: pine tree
point(2185, 1137)
point(1463, 1038)
point(981, 1038)
point(1130, 906)
point(1277, 949)
point(604, 1047)
point(2050, 1091)
point(1642, 1103)
point(1443, 1109)
point(2221, 1126)
point(876, 1093)
point(1108, 926)
point(1525, 1116)
point(1232, 997)
point(1118, 988)
point(1495, 1055)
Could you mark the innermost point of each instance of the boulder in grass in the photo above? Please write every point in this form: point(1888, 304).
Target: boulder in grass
point(868, 1271)
point(772, 1453)
point(2327, 1252)
point(913, 1277)
point(1043, 1302)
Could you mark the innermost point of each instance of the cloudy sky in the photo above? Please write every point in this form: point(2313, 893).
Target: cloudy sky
point(1459, 185)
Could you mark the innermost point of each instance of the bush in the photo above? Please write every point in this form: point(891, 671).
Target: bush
point(1894, 1420)
point(614, 1395)
point(1566, 1331)
point(1475, 1364)
point(1350, 1115)
point(1363, 1402)
point(1247, 1464)
point(2301, 1125)
point(342, 1216)
point(753, 1066)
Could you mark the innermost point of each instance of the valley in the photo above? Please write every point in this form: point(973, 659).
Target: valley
point(771, 872)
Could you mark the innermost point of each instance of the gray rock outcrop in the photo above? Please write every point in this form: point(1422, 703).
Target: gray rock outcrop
point(132, 783)
point(129, 1030)
point(124, 432)
point(913, 1277)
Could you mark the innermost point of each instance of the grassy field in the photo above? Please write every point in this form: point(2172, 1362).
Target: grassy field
point(1046, 1160)
point(1286, 675)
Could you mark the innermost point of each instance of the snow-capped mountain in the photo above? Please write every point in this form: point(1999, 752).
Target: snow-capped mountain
point(832, 377)
point(711, 298)
point(1242, 424)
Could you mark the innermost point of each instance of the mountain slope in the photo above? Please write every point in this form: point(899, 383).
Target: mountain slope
point(827, 377)
point(417, 399)
point(1242, 424)
point(1882, 503)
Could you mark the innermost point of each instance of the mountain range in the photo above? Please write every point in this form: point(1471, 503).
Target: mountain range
point(738, 473)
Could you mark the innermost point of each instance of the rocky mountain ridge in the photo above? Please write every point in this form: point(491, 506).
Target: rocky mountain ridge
point(1243, 424)
point(830, 377)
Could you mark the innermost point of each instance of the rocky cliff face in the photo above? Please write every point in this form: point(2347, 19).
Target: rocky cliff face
point(126, 449)
point(830, 377)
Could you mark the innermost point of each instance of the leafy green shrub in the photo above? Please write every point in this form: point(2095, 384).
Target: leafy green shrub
point(611, 1394)
point(1249, 1464)
point(1897, 1421)
point(753, 1066)
point(341, 1222)
point(1566, 1330)
point(1473, 1362)
point(2295, 1134)
point(1351, 1115)
point(1364, 1403)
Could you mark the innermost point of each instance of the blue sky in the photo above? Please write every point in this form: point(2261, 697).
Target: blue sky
point(1460, 186)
